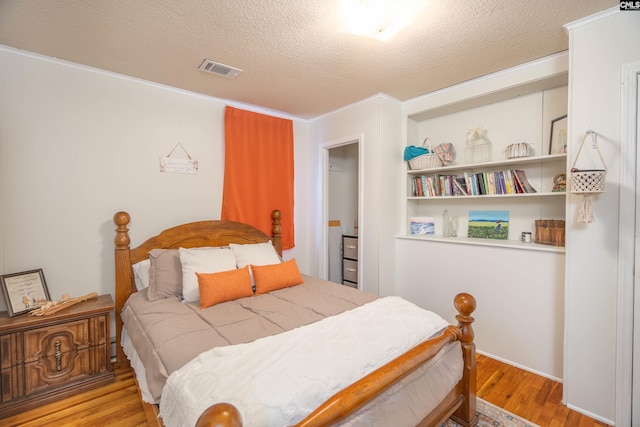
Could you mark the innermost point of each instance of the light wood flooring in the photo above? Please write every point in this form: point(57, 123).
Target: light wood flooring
point(528, 395)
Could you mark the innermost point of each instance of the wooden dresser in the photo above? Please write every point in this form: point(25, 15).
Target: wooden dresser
point(47, 358)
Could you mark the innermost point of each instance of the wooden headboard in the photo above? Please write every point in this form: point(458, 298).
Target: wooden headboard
point(191, 235)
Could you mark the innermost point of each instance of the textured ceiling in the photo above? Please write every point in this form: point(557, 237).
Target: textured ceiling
point(293, 56)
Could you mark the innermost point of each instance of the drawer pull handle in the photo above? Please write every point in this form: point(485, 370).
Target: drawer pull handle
point(351, 270)
point(351, 246)
point(58, 355)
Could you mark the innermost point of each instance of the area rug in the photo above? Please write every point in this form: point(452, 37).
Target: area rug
point(493, 416)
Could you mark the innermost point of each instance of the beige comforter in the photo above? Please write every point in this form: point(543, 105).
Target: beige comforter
point(168, 333)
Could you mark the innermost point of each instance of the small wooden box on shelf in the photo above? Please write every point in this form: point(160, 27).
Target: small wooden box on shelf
point(47, 358)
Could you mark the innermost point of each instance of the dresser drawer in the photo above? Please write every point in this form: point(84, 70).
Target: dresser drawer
point(350, 270)
point(57, 370)
point(350, 247)
point(49, 341)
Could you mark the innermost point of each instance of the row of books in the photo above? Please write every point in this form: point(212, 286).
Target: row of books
point(472, 184)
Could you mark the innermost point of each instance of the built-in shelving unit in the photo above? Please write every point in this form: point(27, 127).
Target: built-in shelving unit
point(509, 116)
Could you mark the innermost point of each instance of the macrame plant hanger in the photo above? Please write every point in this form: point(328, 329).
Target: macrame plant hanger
point(587, 182)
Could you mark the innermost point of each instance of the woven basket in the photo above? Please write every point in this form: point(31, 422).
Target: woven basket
point(588, 181)
point(425, 161)
point(585, 181)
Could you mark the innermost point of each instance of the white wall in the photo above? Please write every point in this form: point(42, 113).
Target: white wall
point(519, 317)
point(78, 145)
point(598, 48)
point(367, 120)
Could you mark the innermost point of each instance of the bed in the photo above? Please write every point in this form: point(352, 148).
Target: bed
point(213, 351)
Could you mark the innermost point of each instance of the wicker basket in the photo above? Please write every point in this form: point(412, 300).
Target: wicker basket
point(425, 161)
point(550, 232)
point(584, 181)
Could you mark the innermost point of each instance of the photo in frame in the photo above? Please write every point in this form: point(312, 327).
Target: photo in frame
point(558, 137)
point(488, 224)
point(24, 291)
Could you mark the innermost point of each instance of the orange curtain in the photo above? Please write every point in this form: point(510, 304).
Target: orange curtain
point(258, 171)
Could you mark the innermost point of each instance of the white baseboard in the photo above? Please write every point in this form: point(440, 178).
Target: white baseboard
point(591, 415)
point(525, 368)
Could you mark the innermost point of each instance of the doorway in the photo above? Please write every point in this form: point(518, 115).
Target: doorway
point(341, 202)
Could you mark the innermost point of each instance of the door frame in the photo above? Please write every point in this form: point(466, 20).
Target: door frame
point(628, 386)
point(324, 156)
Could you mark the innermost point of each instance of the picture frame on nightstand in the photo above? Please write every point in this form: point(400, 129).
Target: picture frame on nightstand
point(24, 291)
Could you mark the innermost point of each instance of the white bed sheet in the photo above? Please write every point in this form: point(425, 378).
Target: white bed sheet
point(280, 379)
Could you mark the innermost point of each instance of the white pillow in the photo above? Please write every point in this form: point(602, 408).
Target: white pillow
point(255, 253)
point(202, 260)
point(141, 274)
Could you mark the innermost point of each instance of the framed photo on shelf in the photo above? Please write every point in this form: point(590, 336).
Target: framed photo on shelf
point(488, 225)
point(24, 291)
point(422, 226)
point(558, 137)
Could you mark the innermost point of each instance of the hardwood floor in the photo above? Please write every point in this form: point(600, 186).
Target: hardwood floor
point(528, 395)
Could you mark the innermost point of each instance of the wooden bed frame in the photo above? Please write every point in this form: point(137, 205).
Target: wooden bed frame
point(459, 404)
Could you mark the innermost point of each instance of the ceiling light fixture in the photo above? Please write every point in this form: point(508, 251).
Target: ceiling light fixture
point(379, 19)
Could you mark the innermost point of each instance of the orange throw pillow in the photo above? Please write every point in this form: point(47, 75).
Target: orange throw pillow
point(269, 278)
point(224, 286)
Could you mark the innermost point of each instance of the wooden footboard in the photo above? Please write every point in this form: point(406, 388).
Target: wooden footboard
point(460, 403)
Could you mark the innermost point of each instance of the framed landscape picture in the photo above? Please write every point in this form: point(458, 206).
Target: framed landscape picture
point(422, 226)
point(488, 224)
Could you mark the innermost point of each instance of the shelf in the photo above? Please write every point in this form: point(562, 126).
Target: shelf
point(510, 244)
point(488, 196)
point(486, 165)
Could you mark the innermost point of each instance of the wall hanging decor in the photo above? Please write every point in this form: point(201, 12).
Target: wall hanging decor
point(588, 182)
point(172, 164)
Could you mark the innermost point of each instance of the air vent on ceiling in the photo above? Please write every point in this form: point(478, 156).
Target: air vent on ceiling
point(219, 69)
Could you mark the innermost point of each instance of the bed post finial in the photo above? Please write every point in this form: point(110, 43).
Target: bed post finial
point(466, 305)
point(276, 231)
point(121, 219)
point(219, 415)
point(123, 273)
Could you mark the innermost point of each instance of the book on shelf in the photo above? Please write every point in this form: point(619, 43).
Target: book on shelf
point(522, 179)
point(472, 184)
point(460, 188)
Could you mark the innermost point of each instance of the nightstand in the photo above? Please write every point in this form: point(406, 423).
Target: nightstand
point(47, 358)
